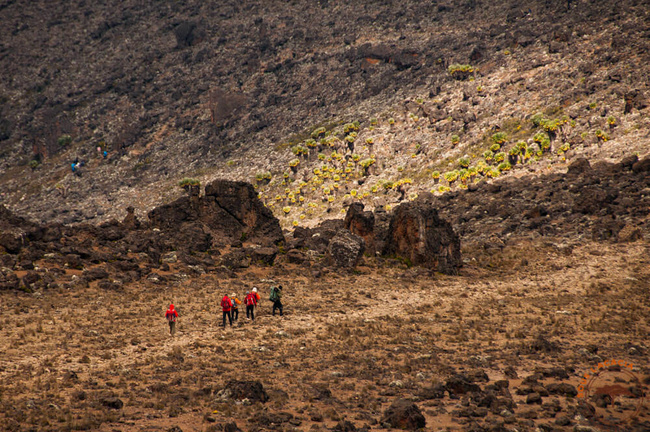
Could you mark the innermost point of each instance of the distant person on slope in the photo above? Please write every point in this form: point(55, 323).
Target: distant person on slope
point(250, 301)
point(276, 298)
point(226, 305)
point(171, 316)
point(234, 311)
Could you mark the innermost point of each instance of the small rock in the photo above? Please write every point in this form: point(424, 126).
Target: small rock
point(112, 402)
point(580, 428)
point(562, 420)
point(534, 398)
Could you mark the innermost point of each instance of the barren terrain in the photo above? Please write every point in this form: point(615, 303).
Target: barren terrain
point(348, 345)
point(518, 130)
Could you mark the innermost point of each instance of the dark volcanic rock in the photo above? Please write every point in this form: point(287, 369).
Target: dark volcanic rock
point(460, 385)
point(229, 212)
point(111, 402)
point(294, 256)
point(240, 201)
point(403, 414)
point(564, 389)
point(419, 235)
point(318, 238)
point(642, 166)
point(251, 390)
point(345, 249)
point(264, 255)
point(237, 258)
point(8, 280)
point(231, 427)
point(362, 224)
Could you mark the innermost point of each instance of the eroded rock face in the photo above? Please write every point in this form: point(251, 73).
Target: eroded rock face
point(240, 201)
point(361, 223)
point(418, 234)
point(229, 212)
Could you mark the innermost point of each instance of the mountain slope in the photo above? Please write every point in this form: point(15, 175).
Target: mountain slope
point(173, 90)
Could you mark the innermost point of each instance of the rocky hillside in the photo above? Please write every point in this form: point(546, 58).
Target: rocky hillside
point(321, 104)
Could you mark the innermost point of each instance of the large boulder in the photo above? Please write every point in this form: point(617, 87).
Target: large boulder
point(404, 414)
point(317, 238)
point(239, 201)
point(345, 249)
point(361, 223)
point(419, 235)
point(251, 390)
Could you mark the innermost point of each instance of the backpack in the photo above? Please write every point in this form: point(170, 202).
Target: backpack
point(225, 303)
point(274, 294)
point(251, 299)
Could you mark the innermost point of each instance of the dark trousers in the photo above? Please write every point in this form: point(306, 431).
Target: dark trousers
point(227, 314)
point(277, 305)
point(234, 313)
point(172, 327)
point(250, 312)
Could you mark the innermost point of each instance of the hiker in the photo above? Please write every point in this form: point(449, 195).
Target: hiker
point(171, 316)
point(257, 296)
point(234, 311)
point(276, 298)
point(105, 153)
point(226, 305)
point(251, 301)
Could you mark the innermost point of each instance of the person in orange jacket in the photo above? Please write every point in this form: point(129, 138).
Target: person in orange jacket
point(257, 296)
point(234, 311)
point(226, 306)
point(171, 316)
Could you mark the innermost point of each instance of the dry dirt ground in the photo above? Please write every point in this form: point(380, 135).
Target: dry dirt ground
point(348, 346)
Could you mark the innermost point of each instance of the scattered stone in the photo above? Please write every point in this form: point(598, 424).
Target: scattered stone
point(251, 390)
point(459, 385)
point(563, 389)
point(295, 256)
point(111, 402)
point(437, 391)
point(231, 427)
point(344, 426)
point(534, 398)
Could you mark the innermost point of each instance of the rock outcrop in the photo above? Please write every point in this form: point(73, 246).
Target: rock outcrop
point(228, 212)
point(418, 234)
point(361, 223)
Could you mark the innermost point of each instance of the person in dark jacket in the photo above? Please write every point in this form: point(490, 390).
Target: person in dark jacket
point(276, 298)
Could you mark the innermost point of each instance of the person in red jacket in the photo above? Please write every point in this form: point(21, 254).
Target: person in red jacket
point(250, 301)
point(226, 305)
point(171, 316)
